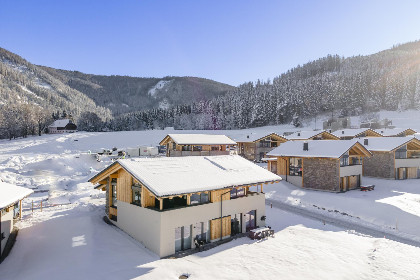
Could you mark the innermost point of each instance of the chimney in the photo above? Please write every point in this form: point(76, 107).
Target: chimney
point(366, 142)
point(247, 136)
point(298, 133)
point(342, 132)
point(305, 146)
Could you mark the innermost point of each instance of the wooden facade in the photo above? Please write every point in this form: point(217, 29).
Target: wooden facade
point(256, 149)
point(217, 227)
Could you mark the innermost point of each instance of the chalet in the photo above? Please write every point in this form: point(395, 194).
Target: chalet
point(178, 145)
point(327, 165)
point(62, 126)
point(11, 197)
point(347, 134)
point(396, 132)
point(312, 135)
point(256, 145)
point(167, 203)
point(393, 157)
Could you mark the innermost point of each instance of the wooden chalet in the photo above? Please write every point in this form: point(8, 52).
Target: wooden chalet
point(348, 134)
point(393, 157)
point(11, 197)
point(178, 145)
point(396, 132)
point(169, 203)
point(327, 165)
point(256, 145)
point(312, 135)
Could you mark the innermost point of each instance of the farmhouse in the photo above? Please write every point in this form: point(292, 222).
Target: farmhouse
point(328, 165)
point(11, 197)
point(396, 132)
point(255, 146)
point(347, 134)
point(178, 145)
point(312, 135)
point(170, 203)
point(393, 157)
point(62, 126)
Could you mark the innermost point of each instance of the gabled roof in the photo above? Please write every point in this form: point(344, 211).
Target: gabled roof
point(318, 149)
point(168, 176)
point(306, 135)
point(350, 132)
point(256, 136)
point(394, 131)
point(198, 139)
point(387, 144)
point(59, 123)
point(10, 194)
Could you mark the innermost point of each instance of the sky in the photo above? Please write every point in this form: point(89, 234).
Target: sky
point(233, 41)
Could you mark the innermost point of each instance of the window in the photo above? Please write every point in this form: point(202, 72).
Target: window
point(136, 194)
point(186, 148)
point(295, 167)
point(273, 144)
point(355, 161)
point(201, 231)
point(182, 238)
point(114, 192)
point(174, 146)
point(237, 192)
point(197, 148)
point(215, 148)
point(344, 160)
point(265, 143)
point(401, 152)
point(199, 198)
point(236, 224)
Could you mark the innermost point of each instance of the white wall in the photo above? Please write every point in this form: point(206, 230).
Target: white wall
point(350, 170)
point(295, 180)
point(407, 162)
point(6, 227)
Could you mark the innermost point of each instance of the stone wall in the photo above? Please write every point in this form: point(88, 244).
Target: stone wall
point(381, 164)
point(321, 173)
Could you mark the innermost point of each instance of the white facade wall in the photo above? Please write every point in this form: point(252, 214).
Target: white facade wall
point(6, 227)
point(407, 162)
point(351, 170)
point(156, 230)
point(294, 180)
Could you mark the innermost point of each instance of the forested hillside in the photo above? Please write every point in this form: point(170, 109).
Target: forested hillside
point(388, 80)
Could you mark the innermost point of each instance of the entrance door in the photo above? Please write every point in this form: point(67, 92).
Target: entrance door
point(273, 167)
point(250, 220)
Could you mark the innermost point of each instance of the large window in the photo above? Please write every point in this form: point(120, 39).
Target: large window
point(197, 148)
point(401, 152)
point(237, 192)
point(186, 148)
point(114, 192)
point(236, 224)
point(199, 198)
point(250, 220)
point(344, 160)
point(266, 143)
point(295, 167)
point(201, 231)
point(182, 238)
point(136, 194)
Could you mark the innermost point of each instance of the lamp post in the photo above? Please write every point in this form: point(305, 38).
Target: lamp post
point(221, 214)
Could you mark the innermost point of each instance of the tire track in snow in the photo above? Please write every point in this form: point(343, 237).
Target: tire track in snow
point(345, 224)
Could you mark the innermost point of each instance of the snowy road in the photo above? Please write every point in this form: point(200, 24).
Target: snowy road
point(371, 230)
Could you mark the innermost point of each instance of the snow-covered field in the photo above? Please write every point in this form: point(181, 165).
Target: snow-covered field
point(71, 241)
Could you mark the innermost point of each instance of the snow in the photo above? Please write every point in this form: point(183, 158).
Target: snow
point(60, 123)
point(180, 175)
point(303, 135)
point(391, 132)
point(201, 139)
point(354, 132)
point(10, 194)
point(71, 241)
point(316, 148)
point(385, 144)
point(160, 85)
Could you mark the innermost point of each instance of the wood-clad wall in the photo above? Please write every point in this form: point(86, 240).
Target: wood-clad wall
point(215, 227)
point(282, 166)
point(215, 195)
point(147, 198)
point(124, 183)
point(412, 173)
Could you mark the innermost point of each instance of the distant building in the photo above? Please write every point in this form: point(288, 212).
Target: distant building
point(328, 165)
point(336, 124)
point(393, 157)
point(347, 134)
point(179, 145)
point(312, 135)
point(11, 197)
point(385, 123)
point(256, 145)
point(168, 203)
point(62, 126)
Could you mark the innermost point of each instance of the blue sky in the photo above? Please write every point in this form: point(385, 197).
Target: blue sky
point(228, 41)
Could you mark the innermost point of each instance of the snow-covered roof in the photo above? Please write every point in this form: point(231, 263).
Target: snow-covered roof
point(201, 139)
point(302, 135)
point(350, 132)
point(385, 144)
point(179, 175)
point(59, 123)
point(254, 136)
point(10, 194)
point(316, 148)
point(391, 132)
